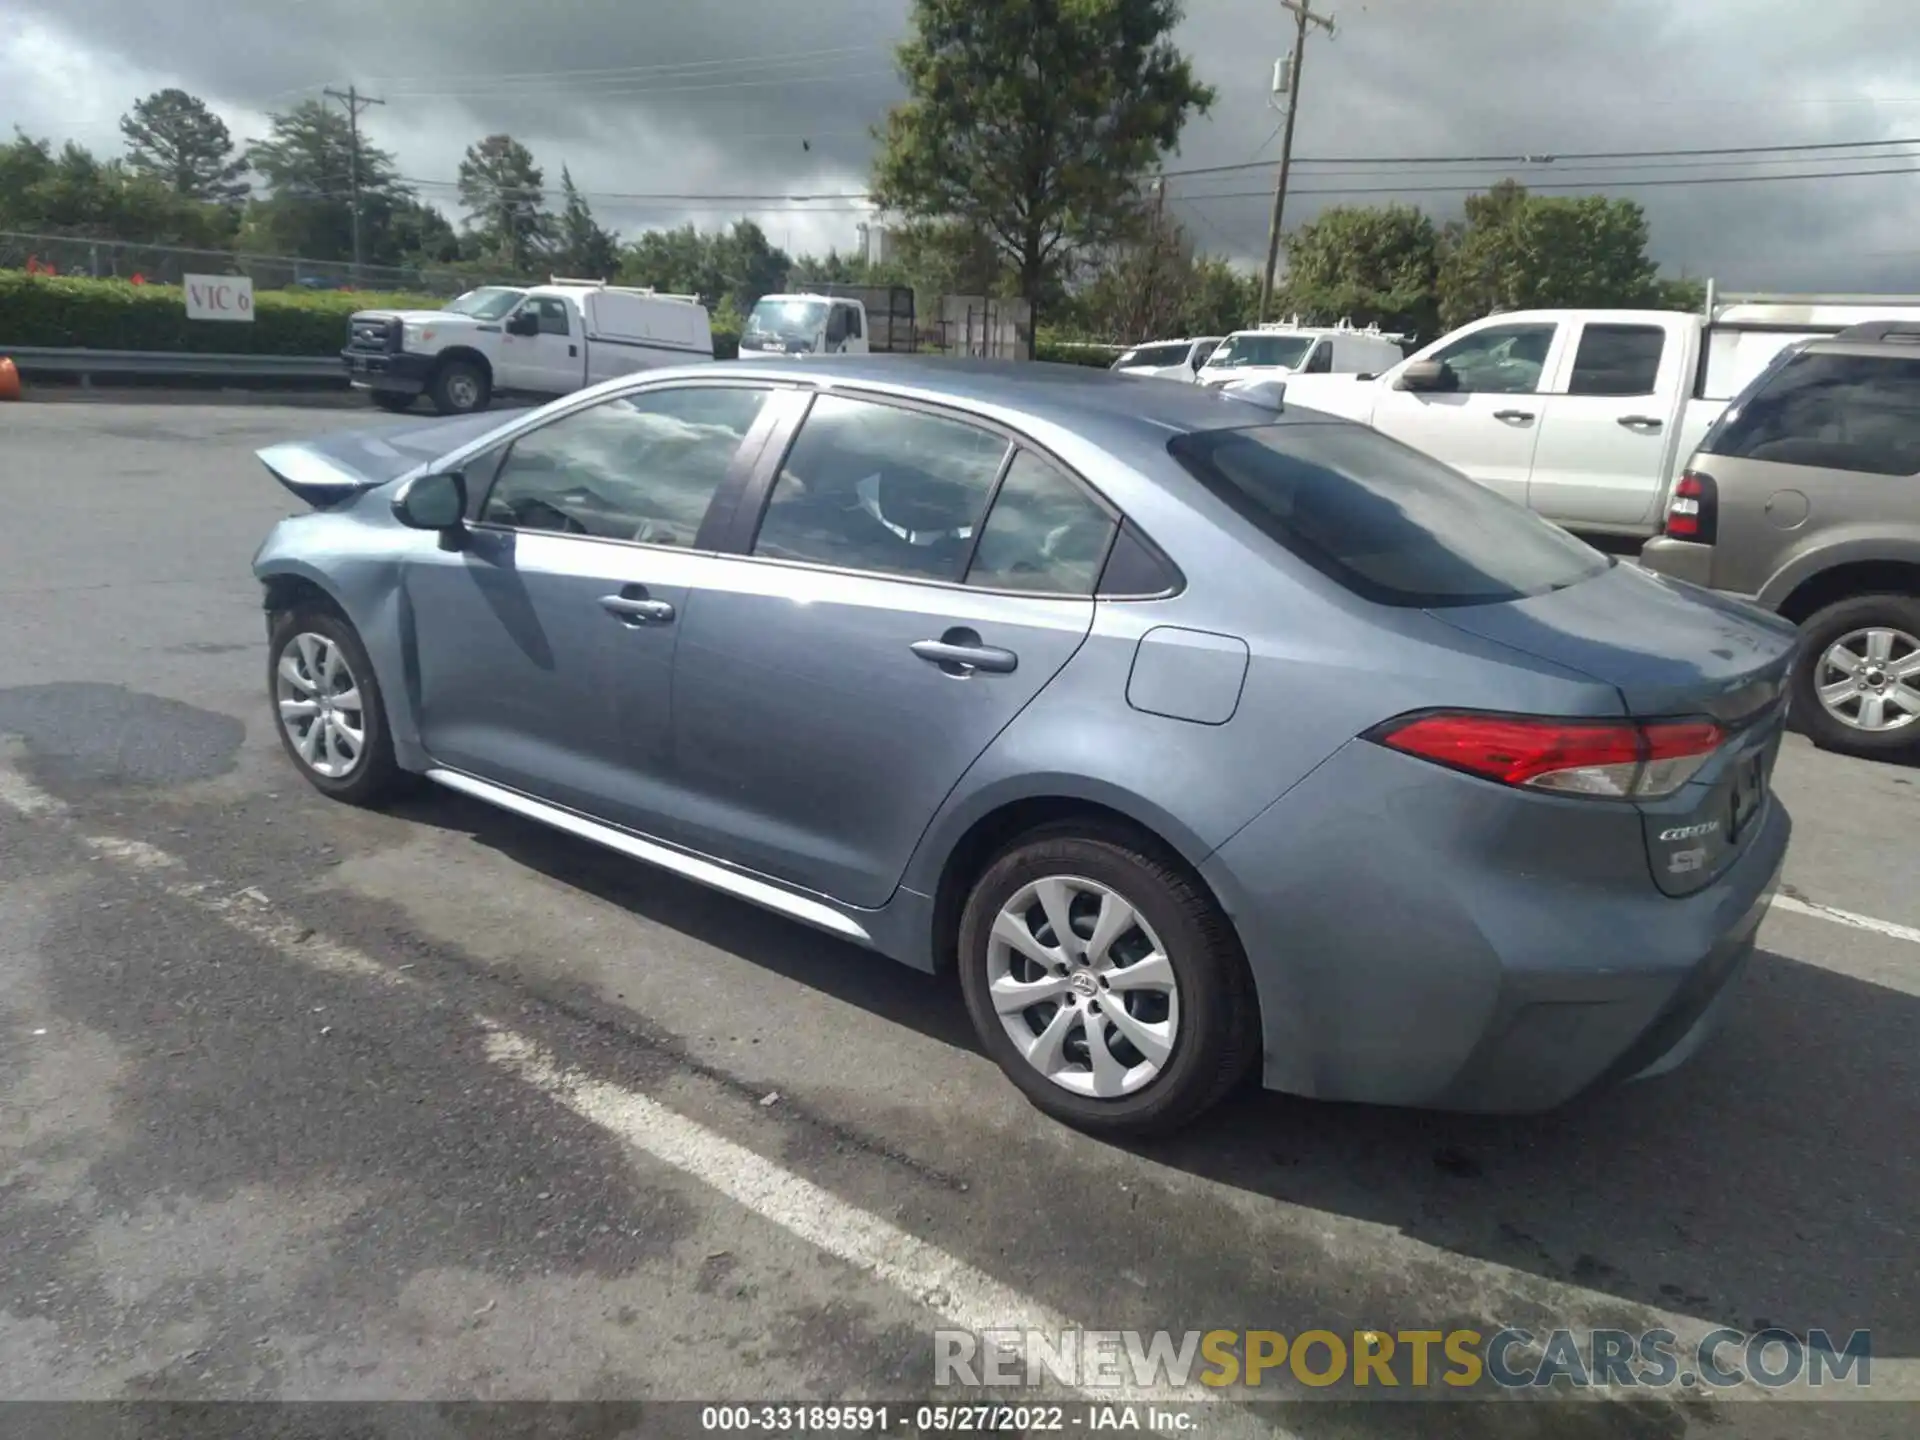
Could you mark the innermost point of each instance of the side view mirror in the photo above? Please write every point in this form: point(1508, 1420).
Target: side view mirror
point(1428, 375)
point(1366, 375)
point(524, 323)
point(436, 501)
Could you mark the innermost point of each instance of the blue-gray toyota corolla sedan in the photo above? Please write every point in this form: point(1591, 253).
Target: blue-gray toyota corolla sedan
point(1196, 733)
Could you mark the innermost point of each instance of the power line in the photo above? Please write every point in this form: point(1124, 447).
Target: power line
point(1548, 158)
point(487, 92)
point(721, 63)
point(1572, 185)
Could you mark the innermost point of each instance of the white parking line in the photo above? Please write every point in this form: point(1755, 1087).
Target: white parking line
point(1818, 911)
point(964, 1296)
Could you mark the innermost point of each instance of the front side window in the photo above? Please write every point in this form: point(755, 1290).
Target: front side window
point(879, 488)
point(553, 315)
point(1840, 412)
point(1500, 360)
point(1617, 360)
point(1045, 533)
point(1389, 523)
point(643, 467)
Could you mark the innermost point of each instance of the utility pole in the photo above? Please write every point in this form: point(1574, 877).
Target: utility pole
point(1153, 256)
point(1303, 18)
point(355, 103)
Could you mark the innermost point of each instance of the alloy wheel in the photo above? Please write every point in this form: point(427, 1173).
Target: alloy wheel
point(1869, 679)
point(320, 705)
point(1083, 986)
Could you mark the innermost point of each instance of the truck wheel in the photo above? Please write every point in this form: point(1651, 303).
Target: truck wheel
point(1856, 683)
point(460, 387)
point(396, 401)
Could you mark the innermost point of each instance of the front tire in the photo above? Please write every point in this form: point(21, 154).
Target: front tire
point(1856, 683)
point(1137, 1023)
point(328, 709)
point(460, 387)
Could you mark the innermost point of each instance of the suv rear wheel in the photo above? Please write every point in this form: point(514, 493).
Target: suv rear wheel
point(1856, 685)
point(1106, 982)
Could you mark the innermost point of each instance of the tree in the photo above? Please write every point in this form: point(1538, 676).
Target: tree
point(1517, 251)
point(747, 265)
point(173, 137)
point(734, 266)
point(1365, 263)
point(1031, 121)
point(307, 163)
point(75, 193)
point(505, 195)
point(582, 248)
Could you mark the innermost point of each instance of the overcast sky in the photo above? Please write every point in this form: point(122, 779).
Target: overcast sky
point(775, 97)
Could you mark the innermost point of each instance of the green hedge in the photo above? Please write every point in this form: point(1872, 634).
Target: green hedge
point(63, 310)
point(77, 312)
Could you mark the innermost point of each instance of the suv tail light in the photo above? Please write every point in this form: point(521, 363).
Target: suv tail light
point(1608, 759)
point(1694, 509)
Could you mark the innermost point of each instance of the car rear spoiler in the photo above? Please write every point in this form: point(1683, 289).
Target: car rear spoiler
point(319, 479)
point(331, 469)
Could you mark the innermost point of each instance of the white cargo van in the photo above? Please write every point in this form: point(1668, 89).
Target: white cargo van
point(539, 340)
point(1290, 348)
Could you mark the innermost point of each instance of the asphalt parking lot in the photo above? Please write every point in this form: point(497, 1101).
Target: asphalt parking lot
point(302, 1101)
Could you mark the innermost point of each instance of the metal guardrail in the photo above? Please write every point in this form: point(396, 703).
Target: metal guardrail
point(86, 365)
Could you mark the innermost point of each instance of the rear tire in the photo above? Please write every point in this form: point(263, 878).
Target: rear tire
point(394, 400)
point(1107, 1084)
point(1863, 712)
point(460, 387)
point(319, 680)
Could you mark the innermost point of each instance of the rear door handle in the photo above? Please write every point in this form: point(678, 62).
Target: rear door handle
point(1640, 422)
point(637, 609)
point(1514, 416)
point(964, 659)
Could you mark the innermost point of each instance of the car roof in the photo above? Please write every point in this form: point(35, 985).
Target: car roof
point(1093, 401)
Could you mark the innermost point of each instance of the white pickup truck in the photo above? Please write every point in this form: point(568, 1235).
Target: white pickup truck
point(1584, 415)
point(539, 340)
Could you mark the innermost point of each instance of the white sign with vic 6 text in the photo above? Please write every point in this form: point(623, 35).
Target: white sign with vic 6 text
point(219, 297)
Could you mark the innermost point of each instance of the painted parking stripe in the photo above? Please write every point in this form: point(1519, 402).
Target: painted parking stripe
point(1817, 911)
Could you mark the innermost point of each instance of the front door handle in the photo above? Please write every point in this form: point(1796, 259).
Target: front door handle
point(637, 609)
point(959, 656)
point(1648, 423)
point(1513, 416)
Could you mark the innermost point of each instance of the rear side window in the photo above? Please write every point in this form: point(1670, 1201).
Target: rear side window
point(1045, 533)
point(880, 488)
point(1617, 360)
point(1838, 412)
point(1385, 521)
point(553, 316)
point(1321, 361)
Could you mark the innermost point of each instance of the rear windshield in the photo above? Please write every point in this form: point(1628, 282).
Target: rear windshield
point(1837, 412)
point(1385, 521)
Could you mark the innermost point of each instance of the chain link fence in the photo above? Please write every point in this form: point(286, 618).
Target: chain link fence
point(166, 264)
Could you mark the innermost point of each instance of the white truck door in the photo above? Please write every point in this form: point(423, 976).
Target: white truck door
point(1602, 453)
point(549, 360)
point(1486, 428)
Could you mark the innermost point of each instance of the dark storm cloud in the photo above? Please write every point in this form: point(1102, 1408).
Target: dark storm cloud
point(671, 105)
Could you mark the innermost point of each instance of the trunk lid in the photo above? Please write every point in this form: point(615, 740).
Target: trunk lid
point(333, 468)
point(1672, 650)
point(1669, 648)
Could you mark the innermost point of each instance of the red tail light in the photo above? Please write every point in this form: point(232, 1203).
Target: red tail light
point(1610, 759)
point(1693, 510)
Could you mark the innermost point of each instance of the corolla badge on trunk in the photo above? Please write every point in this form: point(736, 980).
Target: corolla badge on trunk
point(1690, 832)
